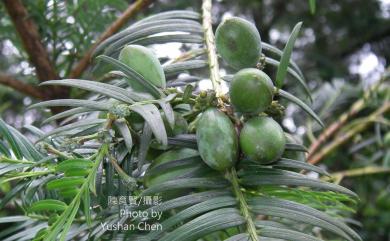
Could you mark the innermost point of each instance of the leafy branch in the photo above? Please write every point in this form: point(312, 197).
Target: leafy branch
point(130, 128)
point(70, 212)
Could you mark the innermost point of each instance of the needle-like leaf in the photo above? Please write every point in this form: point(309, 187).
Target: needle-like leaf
point(285, 59)
point(300, 103)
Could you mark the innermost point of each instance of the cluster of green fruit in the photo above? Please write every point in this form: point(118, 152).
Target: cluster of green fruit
point(261, 138)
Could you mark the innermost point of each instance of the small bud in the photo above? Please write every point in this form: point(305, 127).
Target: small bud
point(120, 111)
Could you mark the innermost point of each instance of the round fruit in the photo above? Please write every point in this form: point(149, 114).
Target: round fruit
point(145, 62)
point(153, 177)
point(262, 139)
point(217, 140)
point(238, 42)
point(251, 91)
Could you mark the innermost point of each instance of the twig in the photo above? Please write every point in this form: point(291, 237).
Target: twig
point(22, 87)
point(335, 126)
point(130, 181)
point(343, 138)
point(50, 149)
point(10, 177)
point(113, 28)
point(5, 159)
point(251, 228)
point(210, 44)
point(338, 176)
point(188, 55)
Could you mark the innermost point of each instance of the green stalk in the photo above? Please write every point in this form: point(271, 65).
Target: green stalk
point(16, 161)
point(83, 139)
point(210, 44)
point(132, 183)
point(250, 226)
point(52, 150)
point(25, 175)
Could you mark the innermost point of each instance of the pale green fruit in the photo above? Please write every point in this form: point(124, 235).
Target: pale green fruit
point(144, 62)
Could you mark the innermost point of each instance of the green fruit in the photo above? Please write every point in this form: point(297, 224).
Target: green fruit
point(217, 140)
point(251, 91)
point(238, 42)
point(143, 60)
point(171, 173)
point(262, 139)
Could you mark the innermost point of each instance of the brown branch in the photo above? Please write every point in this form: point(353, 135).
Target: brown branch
point(30, 37)
point(340, 122)
point(113, 28)
point(348, 135)
point(22, 87)
point(31, 41)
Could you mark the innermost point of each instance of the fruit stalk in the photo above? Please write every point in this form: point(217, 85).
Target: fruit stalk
point(250, 226)
point(211, 50)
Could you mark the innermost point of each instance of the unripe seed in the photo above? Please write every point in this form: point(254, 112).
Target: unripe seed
point(251, 91)
point(238, 42)
point(217, 140)
point(262, 140)
point(145, 62)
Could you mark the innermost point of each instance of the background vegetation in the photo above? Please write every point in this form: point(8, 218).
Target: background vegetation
point(343, 49)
